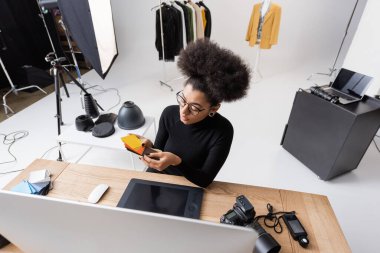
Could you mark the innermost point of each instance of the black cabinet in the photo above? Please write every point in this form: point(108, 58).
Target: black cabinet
point(328, 138)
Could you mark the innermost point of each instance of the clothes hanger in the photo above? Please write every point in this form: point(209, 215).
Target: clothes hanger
point(158, 6)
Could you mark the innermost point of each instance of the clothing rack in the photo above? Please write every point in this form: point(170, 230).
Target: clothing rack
point(256, 68)
point(205, 33)
point(162, 82)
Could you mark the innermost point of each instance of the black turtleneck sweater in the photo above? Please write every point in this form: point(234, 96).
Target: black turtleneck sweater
point(202, 146)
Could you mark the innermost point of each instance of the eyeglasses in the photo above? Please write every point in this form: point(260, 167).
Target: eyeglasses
point(192, 108)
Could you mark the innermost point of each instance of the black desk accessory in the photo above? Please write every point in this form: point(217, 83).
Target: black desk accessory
point(171, 199)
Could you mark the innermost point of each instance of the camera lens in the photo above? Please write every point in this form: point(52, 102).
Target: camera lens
point(265, 243)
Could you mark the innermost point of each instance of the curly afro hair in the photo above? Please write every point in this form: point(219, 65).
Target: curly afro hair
point(218, 72)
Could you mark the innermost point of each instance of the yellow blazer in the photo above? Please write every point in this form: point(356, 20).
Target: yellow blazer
point(271, 26)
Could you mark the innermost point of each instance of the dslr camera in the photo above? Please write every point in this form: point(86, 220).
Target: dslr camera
point(243, 214)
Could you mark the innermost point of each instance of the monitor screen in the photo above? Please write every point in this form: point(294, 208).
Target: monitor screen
point(351, 83)
point(162, 198)
point(45, 224)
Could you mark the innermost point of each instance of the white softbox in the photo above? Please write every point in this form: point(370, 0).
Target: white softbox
point(90, 24)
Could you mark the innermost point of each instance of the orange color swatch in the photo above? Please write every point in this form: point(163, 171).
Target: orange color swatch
point(133, 143)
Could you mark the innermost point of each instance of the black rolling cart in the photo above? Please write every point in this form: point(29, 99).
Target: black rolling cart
point(330, 139)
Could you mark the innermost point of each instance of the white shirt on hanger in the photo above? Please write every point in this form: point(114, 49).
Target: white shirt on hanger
point(199, 21)
point(194, 21)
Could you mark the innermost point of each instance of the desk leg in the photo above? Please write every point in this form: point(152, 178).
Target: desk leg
point(133, 162)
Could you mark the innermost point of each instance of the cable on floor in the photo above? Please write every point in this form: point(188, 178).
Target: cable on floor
point(9, 140)
point(50, 149)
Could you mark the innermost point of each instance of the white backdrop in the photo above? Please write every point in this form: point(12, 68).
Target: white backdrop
point(310, 31)
point(364, 53)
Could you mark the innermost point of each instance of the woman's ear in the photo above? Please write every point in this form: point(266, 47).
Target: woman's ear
point(215, 108)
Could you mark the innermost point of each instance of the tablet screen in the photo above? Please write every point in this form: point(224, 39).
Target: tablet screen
point(162, 198)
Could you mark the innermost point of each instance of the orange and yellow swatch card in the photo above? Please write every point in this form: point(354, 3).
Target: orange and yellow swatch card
point(133, 143)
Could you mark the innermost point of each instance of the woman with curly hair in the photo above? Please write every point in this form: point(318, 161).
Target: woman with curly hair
point(193, 139)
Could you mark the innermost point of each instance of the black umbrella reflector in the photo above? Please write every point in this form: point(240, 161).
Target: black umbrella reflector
point(90, 24)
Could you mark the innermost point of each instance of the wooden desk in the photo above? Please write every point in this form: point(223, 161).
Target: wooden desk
point(76, 181)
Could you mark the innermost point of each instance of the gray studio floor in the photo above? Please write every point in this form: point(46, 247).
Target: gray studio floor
point(256, 158)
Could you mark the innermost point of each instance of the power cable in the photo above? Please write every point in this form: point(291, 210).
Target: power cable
point(9, 140)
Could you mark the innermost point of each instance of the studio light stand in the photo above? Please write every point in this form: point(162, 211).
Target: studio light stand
point(72, 52)
point(13, 89)
point(333, 68)
point(41, 15)
point(45, 6)
point(58, 70)
point(71, 49)
point(96, 42)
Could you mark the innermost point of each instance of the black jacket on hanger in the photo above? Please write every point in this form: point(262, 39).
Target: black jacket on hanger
point(172, 32)
point(179, 30)
point(187, 18)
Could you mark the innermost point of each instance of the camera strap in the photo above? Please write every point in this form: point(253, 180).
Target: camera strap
point(272, 219)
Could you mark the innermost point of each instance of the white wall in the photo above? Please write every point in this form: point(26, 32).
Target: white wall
point(310, 31)
point(364, 53)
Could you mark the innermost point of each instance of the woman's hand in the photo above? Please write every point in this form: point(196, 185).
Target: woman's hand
point(161, 160)
point(145, 142)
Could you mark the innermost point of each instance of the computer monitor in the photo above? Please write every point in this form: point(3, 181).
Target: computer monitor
point(38, 224)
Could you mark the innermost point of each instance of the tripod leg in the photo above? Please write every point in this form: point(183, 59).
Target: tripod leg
point(58, 104)
point(79, 85)
point(64, 84)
